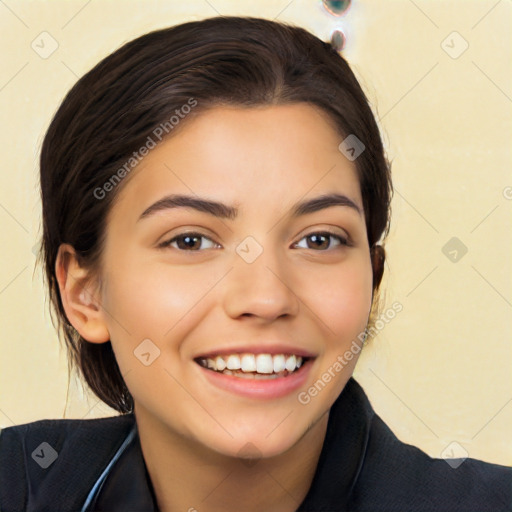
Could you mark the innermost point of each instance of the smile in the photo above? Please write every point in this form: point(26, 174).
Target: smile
point(253, 366)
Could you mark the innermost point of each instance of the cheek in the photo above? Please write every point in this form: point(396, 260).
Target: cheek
point(341, 298)
point(156, 301)
point(151, 301)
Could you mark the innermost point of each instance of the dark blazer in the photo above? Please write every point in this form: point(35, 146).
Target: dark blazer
point(97, 464)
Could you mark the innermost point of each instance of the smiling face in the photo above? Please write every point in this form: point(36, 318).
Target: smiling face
point(256, 276)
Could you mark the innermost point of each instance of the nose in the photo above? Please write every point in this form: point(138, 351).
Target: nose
point(261, 289)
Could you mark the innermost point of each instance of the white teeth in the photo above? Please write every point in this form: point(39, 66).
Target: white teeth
point(279, 363)
point(233, 362)
point(253, 365)
point(264, 363)
point(248, 363)
point(291, 363)
point(221, 364)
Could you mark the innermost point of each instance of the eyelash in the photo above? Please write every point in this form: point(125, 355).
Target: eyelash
point(342, 240)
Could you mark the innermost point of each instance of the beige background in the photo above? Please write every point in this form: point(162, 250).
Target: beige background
point(440, 370)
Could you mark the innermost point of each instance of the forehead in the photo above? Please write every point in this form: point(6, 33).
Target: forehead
point(247, 156)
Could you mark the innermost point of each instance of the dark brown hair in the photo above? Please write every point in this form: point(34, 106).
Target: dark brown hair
point(112, 110)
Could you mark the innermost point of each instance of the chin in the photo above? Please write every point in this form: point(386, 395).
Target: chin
point(257, 447)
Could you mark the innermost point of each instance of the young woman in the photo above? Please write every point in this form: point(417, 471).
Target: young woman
point(215, 201)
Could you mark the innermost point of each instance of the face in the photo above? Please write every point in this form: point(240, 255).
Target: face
point(244, 281)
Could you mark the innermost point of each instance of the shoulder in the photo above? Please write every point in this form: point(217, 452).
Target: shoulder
point(395, 474)
point(59, 457)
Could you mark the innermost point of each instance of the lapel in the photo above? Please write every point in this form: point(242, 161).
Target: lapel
point(343, 451)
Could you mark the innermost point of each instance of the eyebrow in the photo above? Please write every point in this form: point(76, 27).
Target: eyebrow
point(225, 211)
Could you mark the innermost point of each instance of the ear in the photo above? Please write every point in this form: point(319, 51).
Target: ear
point(80, 297)
point(378, 256)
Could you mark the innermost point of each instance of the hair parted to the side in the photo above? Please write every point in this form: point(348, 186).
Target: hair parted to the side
point(113, 109)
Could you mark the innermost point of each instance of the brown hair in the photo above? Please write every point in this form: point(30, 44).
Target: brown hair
point(113, 109)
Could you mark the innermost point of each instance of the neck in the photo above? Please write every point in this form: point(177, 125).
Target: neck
point(192, 477)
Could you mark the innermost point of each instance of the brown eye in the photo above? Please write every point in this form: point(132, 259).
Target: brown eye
point(188, 242)
point(322, 240)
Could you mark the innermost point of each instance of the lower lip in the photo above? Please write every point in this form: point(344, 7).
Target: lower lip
point(259, 388)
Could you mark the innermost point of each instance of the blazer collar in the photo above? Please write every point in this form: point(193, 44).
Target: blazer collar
point(338, 467)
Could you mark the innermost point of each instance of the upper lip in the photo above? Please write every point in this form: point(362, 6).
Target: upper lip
point(273, 349)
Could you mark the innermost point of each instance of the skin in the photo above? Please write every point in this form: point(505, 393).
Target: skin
point(314, 296)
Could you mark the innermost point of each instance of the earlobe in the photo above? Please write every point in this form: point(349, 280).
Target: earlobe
point(79, 295)
point(378, 256)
